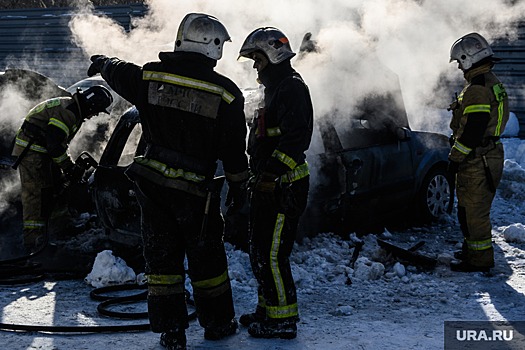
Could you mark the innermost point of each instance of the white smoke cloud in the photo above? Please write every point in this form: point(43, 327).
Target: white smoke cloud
point(412, 38)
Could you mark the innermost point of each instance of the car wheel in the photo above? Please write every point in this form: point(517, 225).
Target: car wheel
point(434, 195)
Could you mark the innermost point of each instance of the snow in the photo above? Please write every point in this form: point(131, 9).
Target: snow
point(109, 270)
point(380, 303)
point(512, 128)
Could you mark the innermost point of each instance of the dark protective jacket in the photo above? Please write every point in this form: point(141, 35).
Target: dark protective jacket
point(51, 125)
point(279, 138)
point(199, 118)
point(282, 130)
point(191, 116)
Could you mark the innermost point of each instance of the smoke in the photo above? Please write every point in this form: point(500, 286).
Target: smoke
point(359, 41)
point(365, 48)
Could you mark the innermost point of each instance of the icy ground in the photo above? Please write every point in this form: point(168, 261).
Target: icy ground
point(377, 305)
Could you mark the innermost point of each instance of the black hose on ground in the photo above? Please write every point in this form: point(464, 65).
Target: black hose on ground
point(109, 301)
point(103, 308)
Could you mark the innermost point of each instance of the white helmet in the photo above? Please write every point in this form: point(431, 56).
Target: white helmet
point(271, 41)
point(469, 50)
point(203, 34)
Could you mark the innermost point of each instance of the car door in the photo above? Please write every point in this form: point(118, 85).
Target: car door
point(112, 190)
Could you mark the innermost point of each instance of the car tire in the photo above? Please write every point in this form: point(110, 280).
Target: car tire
point(434, 195)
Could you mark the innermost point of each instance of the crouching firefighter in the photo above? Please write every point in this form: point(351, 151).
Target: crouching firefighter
point(476, 157)
point(191, 117)
point(279, 137)
point(41, 147)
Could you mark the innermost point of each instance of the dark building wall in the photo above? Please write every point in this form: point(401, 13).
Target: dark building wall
point(511, 70)
point(40, 39)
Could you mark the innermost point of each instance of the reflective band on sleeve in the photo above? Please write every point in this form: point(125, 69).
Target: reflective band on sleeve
point(164, 279)
point(479, 245)
point(274, 262)
point(59, 124)
point(282, 311)
point(34, 147)
point(283, 158)
point(462, 148)
point(189, 82)
point(272, 132)
point(298, 173)
point(477, 109)
point(62, 158)
point(44, 105)
point(169, 172)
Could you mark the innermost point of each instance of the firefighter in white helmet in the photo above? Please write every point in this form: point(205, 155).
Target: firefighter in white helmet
point(279, 137)
point(480, 114)
point(191, 116)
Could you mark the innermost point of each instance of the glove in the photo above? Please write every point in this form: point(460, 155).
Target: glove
point(265, 188)
point(236, 197)
point(452, 169)
point(96, 66)
point(74, 173)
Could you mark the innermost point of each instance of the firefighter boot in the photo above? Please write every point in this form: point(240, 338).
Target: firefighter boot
point(219, 332)
point(258, 316)
point(284, 329)
point(464, 266)
point(173, 340)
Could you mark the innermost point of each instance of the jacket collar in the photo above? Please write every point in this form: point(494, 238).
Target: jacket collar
point(273, 74)
point(179, 57)
point(471, 73)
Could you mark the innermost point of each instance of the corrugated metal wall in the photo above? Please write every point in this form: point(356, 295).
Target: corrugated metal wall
point(40, 39)
point(511, 71)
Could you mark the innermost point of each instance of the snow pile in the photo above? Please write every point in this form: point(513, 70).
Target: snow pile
point(512, 129)
point(514, 233)
point(109, 270)
point(512, 185)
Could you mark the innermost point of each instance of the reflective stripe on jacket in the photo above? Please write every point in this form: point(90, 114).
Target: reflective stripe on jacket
point(483, 94)
point(52, 113)
point(187, 108)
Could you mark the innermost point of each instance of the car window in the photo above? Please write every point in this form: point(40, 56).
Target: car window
point(131, 147)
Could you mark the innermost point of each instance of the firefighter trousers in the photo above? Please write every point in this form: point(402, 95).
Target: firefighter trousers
point(171, 222)
point(37, 177)
point(474, 202)
point(273, 230)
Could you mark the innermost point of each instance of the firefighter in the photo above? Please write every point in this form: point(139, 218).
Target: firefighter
point(279, 136)
point(480, 114)
point(41, 148)
point(191, 117)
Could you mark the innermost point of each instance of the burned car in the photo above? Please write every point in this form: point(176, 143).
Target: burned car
point(373, 171)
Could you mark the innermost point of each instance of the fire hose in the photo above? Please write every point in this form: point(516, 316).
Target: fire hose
point(104, 308)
